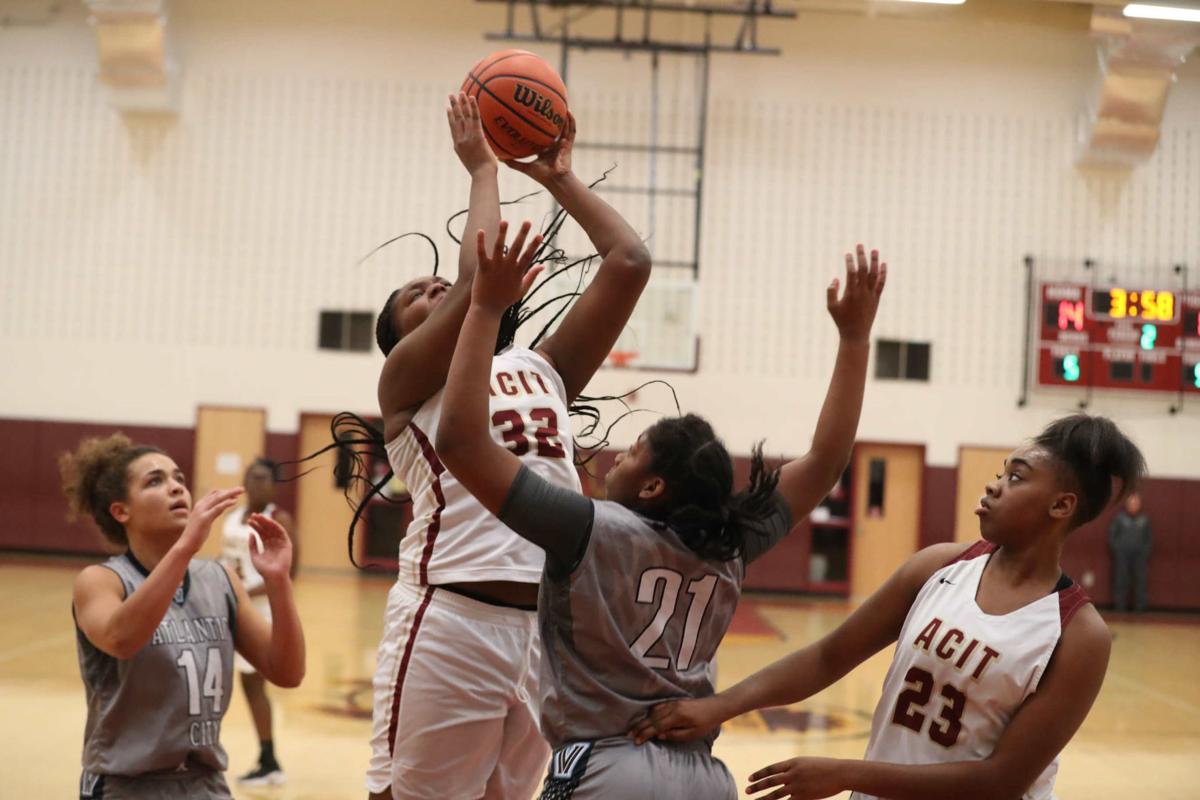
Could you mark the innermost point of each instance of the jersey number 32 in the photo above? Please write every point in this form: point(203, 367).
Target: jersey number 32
point(544, 422)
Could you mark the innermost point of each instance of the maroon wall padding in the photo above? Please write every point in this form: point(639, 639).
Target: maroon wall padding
point(34, 510)
point(785, 568)
point(282, 447)
point(1174, 562)
point(1173, 506)
point(938, 490)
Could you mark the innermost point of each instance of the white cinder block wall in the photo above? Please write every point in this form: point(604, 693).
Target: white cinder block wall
point(148, 265)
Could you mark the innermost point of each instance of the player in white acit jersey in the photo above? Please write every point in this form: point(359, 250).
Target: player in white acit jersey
point(455, 688)
point(640, 588)
point(999, 655)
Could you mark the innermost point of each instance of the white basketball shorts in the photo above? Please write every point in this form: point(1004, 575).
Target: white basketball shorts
point(456, 699)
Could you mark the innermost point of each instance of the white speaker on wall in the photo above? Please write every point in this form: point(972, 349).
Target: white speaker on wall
point(133, 55)
point(1138, 62)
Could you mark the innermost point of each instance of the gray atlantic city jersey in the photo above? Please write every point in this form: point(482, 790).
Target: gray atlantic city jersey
point(161, 709)
point(636, 623)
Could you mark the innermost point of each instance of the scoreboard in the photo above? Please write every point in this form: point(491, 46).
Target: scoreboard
point(1118, 337)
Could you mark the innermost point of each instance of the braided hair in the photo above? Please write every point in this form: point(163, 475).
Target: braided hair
point(699, 503)
point(360, 442)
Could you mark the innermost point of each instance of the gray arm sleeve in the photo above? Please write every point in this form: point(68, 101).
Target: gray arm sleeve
point(767, 533)
point(557, 520)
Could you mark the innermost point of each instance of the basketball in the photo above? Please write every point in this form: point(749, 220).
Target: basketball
point(522, 102)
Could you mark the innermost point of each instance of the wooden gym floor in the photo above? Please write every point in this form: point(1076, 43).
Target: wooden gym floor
point(1140, 741)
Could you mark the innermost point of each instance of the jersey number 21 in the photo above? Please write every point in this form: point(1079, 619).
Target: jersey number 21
point(701, 591)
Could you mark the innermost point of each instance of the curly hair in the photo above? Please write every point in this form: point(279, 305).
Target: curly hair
point(96, 475)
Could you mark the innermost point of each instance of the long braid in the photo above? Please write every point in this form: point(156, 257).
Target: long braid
point(361, 444)
point(700, 505)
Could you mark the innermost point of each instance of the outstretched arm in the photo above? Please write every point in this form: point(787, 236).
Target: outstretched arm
point(872, 627)
point(590, 329)
point(275, 648)
point(806, 480)
point(416, 367)
point(1041, 728)
point(464, 442)
point(553, 518)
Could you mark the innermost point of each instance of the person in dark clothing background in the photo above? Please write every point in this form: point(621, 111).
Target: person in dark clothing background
point(1129, 540)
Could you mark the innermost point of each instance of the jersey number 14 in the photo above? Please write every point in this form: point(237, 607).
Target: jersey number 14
point(213, 679)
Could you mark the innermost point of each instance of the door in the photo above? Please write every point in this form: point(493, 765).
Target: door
point(977, 466)
point(887, 512)
point(322, 513)
point(227, 440)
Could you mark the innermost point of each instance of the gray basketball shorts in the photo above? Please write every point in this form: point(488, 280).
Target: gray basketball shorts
point(618, 769)
point(190, 785)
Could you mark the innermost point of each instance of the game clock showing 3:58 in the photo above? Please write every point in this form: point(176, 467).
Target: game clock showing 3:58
point(1118, 337)
point(1147, 304)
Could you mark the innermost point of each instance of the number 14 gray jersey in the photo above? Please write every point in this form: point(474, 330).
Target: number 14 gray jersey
point(637, 622)
point(162, 708)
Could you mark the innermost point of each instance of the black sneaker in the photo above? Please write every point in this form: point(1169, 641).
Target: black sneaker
point(263, 776)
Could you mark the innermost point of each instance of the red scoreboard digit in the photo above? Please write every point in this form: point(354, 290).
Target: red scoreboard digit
point(1118, 337)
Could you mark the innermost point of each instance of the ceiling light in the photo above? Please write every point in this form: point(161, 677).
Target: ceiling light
point(1173, 13)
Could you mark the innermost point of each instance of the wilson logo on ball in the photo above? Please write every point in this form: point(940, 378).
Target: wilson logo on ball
point(538, 103)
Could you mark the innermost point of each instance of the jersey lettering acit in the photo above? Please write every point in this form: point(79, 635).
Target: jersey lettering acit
point(452, 538)
point(960, 674)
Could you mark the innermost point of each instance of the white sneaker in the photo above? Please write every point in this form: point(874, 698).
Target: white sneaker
point(261, 776)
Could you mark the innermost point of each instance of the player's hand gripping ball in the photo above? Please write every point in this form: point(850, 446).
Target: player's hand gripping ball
point(522, 102)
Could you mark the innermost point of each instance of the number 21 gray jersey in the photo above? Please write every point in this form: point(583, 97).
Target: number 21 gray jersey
point(162, 708)
point(637, 622)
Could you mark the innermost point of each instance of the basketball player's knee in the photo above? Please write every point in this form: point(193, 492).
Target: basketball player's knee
point(253, 684)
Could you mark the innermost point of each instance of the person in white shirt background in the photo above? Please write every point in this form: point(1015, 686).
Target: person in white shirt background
point(259, 482)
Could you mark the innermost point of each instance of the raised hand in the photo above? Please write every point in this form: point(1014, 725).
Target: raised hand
point(678, 721)
point(504, 276)
point(271, 550)
point(554, 162)
point(799, 779)
point(205, 512)
point(466, 130)
point(854, 313)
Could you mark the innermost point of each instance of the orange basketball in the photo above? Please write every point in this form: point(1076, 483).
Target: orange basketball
point(522, 102)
